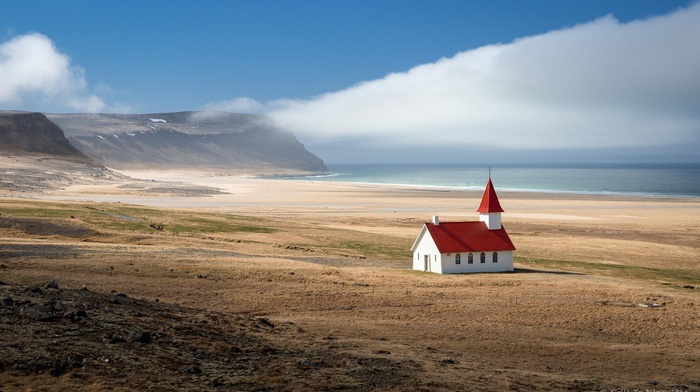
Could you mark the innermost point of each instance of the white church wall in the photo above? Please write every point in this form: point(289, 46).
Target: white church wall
point(449, 266)
point(425, 247)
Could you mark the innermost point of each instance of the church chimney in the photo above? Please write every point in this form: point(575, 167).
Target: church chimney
point(436, 220)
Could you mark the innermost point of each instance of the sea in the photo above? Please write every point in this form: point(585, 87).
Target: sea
point(681, 180)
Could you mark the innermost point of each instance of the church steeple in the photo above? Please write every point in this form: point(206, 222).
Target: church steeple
point(489, 202)
point(490, 209)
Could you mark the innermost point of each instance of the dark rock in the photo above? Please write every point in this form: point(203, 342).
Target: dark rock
point(305, 363)
point(113, 338)
point(267, 350)
point(75, 314)
point(122, 295)
point(193, 369)
point(200, 276)
point(7, 301)
point(266, 322)
point(36, 290)
point(38, 313)
point(52, 285)
point(383, 352)
point(140, 336)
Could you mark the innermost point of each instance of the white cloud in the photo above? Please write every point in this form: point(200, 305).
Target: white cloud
point(33, 73)
point(599, 84)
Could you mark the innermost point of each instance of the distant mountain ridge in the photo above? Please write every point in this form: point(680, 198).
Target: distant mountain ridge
point(219, 140)
point(34, 133)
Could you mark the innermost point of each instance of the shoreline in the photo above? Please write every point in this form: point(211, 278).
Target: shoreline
point(243, 183)
point(196, 177)
point(515, 191)
point(578, 179)
point(519, 192)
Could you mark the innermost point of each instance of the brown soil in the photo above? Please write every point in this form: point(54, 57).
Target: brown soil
point(274, 300)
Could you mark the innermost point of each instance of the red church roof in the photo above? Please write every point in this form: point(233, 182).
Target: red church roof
point(453, 237)
point(489, 202)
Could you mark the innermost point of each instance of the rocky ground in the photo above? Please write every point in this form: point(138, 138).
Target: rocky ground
point(79, 337)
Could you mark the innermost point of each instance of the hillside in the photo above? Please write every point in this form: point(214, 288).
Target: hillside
point(187, 140)
point(33, 133)
point(35, 156)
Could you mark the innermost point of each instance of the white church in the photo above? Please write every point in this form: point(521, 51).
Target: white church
point(466, 247)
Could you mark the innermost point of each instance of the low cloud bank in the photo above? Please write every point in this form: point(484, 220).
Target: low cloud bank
point(601, 84)
point(34, 73)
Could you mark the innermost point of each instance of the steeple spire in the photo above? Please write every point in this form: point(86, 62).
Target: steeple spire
point(489, 202)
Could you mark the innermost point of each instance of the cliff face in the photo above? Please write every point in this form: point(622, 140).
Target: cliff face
point(187, 139)
point(22, 132)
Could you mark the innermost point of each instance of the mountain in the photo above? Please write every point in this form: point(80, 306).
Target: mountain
point(219, 140)
point(33, 133)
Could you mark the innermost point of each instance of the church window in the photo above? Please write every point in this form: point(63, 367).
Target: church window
point(495, 257)
point(483, 257)
point(470, 258)
point(458, 258)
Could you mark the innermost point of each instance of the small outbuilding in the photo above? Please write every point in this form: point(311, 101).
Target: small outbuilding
point(466, 247)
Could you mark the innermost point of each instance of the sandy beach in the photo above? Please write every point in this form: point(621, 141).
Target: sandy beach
point(333, 258)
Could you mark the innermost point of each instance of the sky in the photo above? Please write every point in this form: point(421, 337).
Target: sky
point(380, 81)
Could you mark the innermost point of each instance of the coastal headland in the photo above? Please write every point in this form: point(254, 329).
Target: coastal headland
point(302, 285)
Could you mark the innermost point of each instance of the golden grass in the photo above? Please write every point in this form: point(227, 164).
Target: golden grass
point(559, 318)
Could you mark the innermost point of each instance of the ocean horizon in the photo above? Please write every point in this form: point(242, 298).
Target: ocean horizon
point(631, 179)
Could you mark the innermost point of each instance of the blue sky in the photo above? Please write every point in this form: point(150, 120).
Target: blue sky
point(294, 59)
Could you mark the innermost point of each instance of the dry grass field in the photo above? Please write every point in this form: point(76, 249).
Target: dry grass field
point(293, 286)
